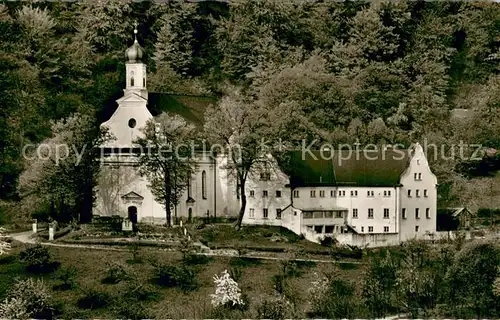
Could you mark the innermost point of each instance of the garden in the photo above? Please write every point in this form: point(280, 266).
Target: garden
point(453, 279)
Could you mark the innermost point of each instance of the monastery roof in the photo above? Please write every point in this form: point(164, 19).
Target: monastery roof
point(346, 168)
point(190, 107)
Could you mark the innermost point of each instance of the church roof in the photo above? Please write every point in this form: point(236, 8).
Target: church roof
point(381, 168)
point(190, 107)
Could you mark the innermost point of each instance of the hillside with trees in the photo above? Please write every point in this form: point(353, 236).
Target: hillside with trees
point(324, 71)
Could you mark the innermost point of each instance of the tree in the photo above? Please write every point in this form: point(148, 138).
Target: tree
point(238, 124)
point(62, 172)
point(166, 158)
point(471, 277)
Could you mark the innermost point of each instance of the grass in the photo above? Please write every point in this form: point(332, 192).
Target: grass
point(90, 267)
point(254, 237)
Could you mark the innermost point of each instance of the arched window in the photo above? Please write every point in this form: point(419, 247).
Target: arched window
point(204, 184)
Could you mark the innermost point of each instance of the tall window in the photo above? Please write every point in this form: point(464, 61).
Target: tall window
point(425, 192)
point(189, 187)
point(278, 213)
point(265, 213)
point(295, 193)
point(252, 193)
point(417, 192)
point(332, 193)
point(386, 213)
point(428, 213)
point(386, 229)
point(354, 193)
point(313, 194)
point(252, 213)
point(354, 213)
point(409, 193)
point(404, 213)
point(204, 185)
point(278, 193)
point(264, 193)
point(370, 229)
point(143, 82)
point(370, 213)
point(417, 213)
point(322, 193)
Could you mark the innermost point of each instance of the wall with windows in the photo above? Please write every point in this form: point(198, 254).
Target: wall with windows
point(418, 198)
point(369, 210)
point(268, 200)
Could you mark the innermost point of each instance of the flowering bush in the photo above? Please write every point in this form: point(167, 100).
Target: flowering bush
point(27, 299)
point(227, 292)
point(318, 290)
point(4, 245)
point(278, 307)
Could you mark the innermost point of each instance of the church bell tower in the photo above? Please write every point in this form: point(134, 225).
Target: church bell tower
point(135, 69)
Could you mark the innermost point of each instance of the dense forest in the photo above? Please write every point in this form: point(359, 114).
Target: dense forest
point(338, 72)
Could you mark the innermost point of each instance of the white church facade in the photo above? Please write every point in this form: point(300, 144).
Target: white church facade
point(391, 193)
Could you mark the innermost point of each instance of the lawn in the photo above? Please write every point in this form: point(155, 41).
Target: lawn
point(255, 281)
point(224, 236)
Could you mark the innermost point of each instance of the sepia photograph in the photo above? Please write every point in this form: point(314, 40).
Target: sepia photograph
point(249, 159)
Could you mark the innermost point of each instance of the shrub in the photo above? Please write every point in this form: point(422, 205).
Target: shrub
point(227, 292)
point(115, 273)
point(129, 309)
point(67, 278)
point(235, 273)
point(327, 241)
point(38, 259)
point(141, 292)
point(135, 252)
point(277, 307)
point(197, 259)
point(181, 276)
point(28, 299)
point(94, 299)
point(244, 262)
point(332, 298)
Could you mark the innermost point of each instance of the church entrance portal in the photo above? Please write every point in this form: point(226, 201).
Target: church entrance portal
point(132, 214)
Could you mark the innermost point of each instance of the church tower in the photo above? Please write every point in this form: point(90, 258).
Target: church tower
point(135, 69)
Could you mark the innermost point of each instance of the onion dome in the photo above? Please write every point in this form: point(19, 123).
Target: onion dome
point(135, 53)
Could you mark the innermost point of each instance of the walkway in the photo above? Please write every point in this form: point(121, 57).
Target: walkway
point(27, 237)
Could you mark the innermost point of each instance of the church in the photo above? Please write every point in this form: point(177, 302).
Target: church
point(391, 193)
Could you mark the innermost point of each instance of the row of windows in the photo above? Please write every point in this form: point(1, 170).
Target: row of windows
point(417, 193)
point(355, 213)
point(265, 193)
point(265, 213)
point(417, 213)
point(370, 229)
point(340, 193)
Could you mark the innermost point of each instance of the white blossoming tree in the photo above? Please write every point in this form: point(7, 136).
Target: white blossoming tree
point(4, 245)
point(227, 292)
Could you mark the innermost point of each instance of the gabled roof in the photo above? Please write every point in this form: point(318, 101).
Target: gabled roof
point(132, 196)
point(382, 168)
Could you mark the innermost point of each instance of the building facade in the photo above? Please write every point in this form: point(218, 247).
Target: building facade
point(387, 192)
